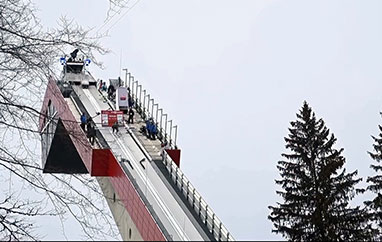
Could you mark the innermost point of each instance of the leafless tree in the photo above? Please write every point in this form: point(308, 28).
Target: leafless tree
point(28, 53)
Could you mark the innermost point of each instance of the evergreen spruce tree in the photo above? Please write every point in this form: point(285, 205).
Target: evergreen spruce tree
point(375, 183)
point(316, 188)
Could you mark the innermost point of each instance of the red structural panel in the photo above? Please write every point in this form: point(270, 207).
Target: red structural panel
point(175, 156)
point(134, 205)
point(77, 135)
point(104, 163)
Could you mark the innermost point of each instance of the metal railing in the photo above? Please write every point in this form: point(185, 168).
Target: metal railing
point(213, 224)
point(146, 107)
point(208, 217)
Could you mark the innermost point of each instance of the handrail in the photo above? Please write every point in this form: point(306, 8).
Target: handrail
point(144, 112)
point(205, 213)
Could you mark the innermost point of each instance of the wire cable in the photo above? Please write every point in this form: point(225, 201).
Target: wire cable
point(111, 17)
point(128, 10)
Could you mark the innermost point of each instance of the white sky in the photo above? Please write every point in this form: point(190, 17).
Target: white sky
point(233, 74)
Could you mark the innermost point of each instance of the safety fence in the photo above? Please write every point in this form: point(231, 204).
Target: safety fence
point(146, 107)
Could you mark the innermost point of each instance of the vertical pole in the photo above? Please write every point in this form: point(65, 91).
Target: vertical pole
point(170, 131)
point(144, 101)
point(132, 91)
point(136, 91)
point(161, 115)
point(156, 115)
point(148, 105)
point(152, 108)
point(125, 85)
point(140, 94)
point(176, 134)
point(165, 127)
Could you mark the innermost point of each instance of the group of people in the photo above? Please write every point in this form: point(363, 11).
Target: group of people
point(102, 86)
point(90, 128)
point(110, 89)
point(151, 129)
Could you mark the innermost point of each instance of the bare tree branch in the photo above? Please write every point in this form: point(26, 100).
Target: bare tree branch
point(29, 54)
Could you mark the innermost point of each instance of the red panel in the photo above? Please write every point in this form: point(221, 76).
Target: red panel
point(104, 163)
point(76, 134)
point(175, 156)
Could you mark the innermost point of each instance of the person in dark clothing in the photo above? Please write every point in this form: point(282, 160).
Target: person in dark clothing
point(151, 129)
point(130, 120)
point(130, 101)
point(74, 54)
point(148, 128)
point(115, 127)
point(83, 121)
point(92, 134)
point(90, 130)
point(100, 85)
point(110, 91)
point(154, 130)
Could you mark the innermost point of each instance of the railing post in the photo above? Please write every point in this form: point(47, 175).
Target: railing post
point(139, 104)
point(200, 205)
point(148, 104)
point(181, 183)
point(165, 127)
point(144, 101)
point(170, 140)
point(220, 231)
point(136, 90)
point(152, 108)
point(213, 223)
point(176, 175)
point(136, 86)
point(188, 190)
point(193, 198)
point(148, 110)
point(206, 216)
point(131, 88)
point(176, 134)
point(156, 115)
point(161, 116)
point(171, 169)
point(125, 84)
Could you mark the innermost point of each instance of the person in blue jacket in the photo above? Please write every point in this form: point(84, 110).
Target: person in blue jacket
point(83, 121)
point(154, 130)
point(151, 129)
point(148, 128)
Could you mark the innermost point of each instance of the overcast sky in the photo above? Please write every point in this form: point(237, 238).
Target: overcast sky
point(233, 74)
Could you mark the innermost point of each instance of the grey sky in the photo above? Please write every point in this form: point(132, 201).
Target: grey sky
point(232, 75)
